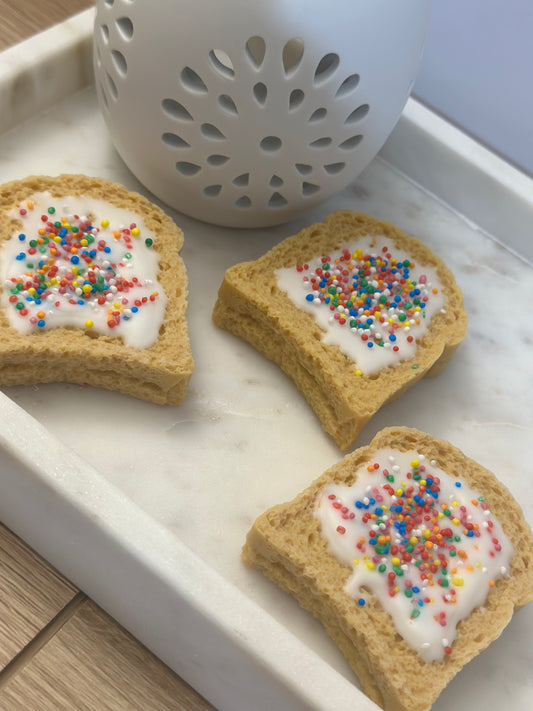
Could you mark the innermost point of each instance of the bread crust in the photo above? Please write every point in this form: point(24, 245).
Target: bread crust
point(285, 544)
point(160, 373)
point(250, 305)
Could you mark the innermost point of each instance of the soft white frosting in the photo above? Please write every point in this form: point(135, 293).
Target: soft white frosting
point(378, 351)
point(126, 268)
point(438, 597)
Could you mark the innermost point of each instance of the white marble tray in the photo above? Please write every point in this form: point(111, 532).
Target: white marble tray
point(145, 508)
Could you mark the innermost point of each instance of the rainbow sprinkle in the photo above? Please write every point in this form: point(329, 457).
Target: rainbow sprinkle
point(69, 260)
point(374, 294)
point(426, 545)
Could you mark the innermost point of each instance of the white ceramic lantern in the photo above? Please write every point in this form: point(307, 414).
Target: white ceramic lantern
point(247, 113)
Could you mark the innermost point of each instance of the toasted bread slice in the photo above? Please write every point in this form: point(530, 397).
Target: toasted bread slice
point(289, 545)
point(252, 305)
point(158, 371)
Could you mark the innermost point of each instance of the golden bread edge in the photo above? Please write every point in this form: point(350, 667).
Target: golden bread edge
point(251, 306)
point(158, 374)
point(300, 570)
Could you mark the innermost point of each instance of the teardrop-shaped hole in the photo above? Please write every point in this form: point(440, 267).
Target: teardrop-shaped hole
point(326, 67)
point(256, 50)
point(104, 95)
point(357, 114)
point(334, 168)
point(277, 200)
point(125, 27)
point(321, 142)
point(109, 3)
point(303, 168)
point(104, 29)
point(309, 189)
point(222, 62)
point(227, 103)
point(192, 81)
point(292, 54)
point(212, 132)
point(295, 99)
point(318, 115)
point(187, 169)
point(241, 181)
point(348, 85)
point(174, 141)
point(276, 181)
point(260, 92)
point(351, 142)
point(243, 202)
point(212, 190)
point(176, 110)
point(112, 86)
point(119, 60)
point(270, 144)
point(216, 159)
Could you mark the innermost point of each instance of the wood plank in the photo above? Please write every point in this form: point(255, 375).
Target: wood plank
point(23, 18)
point(31, 594)
point(93, 663)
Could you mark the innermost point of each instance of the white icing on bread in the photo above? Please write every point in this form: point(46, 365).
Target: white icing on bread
point(84, 263)
point(372, 304)
point(424, 542)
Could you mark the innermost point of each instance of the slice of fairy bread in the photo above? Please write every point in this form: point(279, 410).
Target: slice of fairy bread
point(93, 289)
point(413, 556)
point(354, 310)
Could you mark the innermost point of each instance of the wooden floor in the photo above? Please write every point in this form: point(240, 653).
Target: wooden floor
point(23, 18)
point(58, 650)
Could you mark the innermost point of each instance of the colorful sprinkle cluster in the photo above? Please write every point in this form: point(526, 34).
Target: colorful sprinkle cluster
point(374, 294)
point(70, 260)
point(423, 546)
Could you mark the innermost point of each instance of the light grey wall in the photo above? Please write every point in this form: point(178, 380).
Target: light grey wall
point(477, 70)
